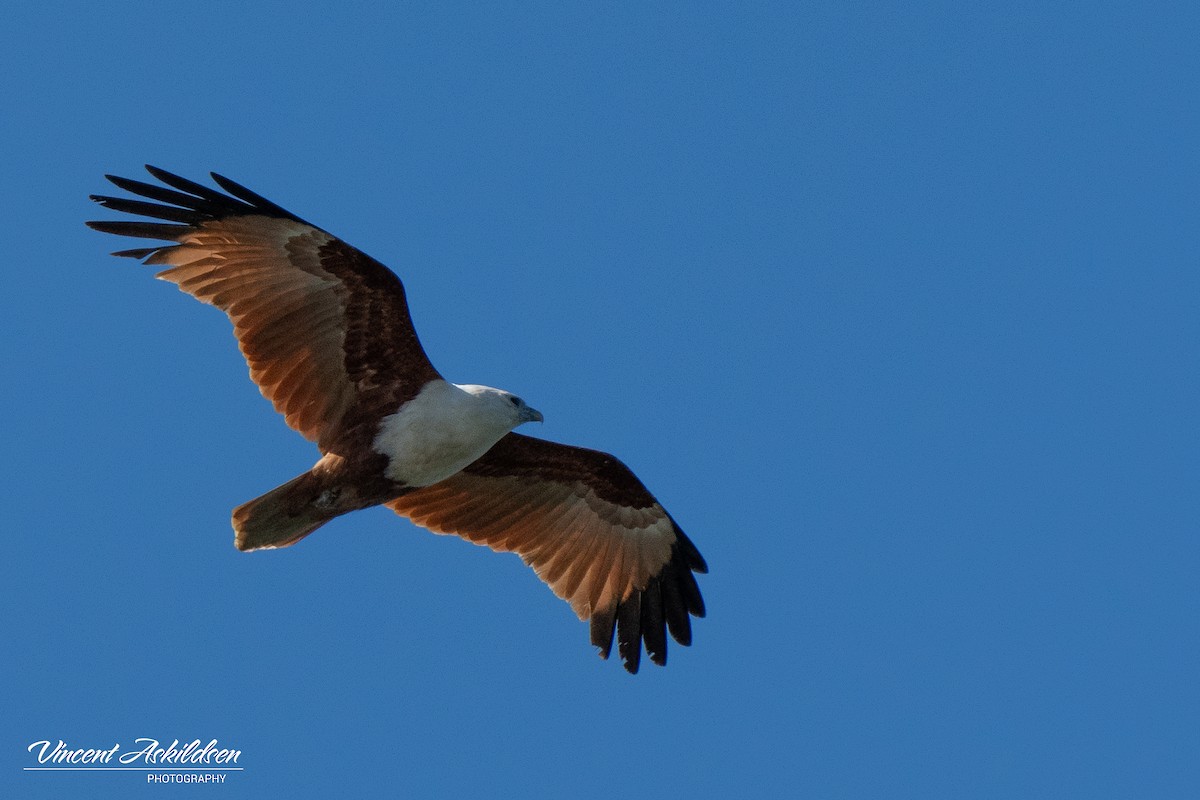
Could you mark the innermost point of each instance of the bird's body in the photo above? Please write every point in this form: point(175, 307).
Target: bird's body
point(326, 332)
point(444, 428)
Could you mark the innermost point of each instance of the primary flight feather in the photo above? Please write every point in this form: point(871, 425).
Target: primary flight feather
point(326, 332)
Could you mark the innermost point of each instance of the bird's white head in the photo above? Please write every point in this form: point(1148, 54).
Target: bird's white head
point(504, 405)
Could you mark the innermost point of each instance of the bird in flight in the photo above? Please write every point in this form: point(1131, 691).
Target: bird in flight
point(327, 334)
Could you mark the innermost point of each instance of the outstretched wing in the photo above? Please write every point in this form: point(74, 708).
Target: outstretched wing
point(590, 530)
point(324, 327)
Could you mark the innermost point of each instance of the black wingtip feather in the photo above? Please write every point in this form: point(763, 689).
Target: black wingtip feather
point(654, 630)
point(155, 210)
point(629, 632)
point(691, 594)
point(141, 230)
point(694, 560)
point(675, 610)
point(603, 626)
point(253, 198)
point(138, 253)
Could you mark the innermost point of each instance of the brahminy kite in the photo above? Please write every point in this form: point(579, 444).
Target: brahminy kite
point(326, 332)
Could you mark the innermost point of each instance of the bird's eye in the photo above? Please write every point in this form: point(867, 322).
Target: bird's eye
point(516, 401)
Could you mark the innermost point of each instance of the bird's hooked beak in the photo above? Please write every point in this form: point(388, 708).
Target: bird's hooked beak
point(529, 414)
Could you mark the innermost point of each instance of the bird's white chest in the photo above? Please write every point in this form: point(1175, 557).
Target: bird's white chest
point(436, 434)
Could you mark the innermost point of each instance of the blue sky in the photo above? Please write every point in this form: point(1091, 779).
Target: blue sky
point(895, 309)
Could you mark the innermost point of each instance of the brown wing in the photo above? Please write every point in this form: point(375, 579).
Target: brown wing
point(587, 526)
point(324, 328)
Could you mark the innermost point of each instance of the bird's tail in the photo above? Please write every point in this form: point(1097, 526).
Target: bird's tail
point(282, 516)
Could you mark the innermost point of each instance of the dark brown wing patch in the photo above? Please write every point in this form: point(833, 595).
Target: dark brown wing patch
point(383, 356)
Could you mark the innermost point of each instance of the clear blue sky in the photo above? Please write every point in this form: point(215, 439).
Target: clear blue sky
point(897, 310)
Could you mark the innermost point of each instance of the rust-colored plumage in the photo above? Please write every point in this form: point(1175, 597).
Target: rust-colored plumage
point(586, 525)
point(326, 332)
